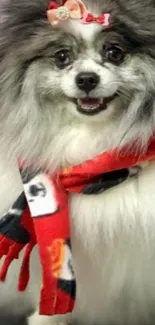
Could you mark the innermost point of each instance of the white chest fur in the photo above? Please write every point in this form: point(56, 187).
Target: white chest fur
point(113, 236)
point(113, 239)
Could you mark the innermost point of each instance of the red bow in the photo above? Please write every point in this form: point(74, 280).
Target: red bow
point(100, 19)
point(55, 5)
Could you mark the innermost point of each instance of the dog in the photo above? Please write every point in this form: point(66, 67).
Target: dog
point(69, 92)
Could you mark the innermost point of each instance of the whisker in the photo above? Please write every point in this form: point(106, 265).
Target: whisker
point(126, 133)
point(124, 93)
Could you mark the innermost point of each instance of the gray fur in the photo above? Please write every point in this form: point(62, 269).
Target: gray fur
point(39, 121)
point(27, 43)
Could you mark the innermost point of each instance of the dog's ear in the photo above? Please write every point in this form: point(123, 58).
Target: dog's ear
point(19, 20)
point(139, 17)
point(24, 29)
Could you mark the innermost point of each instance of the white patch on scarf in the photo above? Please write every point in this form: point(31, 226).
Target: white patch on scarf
point(40, 195)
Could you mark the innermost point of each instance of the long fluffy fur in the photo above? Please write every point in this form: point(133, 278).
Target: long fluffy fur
point(112, 233)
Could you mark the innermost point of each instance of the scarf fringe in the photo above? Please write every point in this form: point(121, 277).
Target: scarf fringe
point(12, 251)
point(25, 268)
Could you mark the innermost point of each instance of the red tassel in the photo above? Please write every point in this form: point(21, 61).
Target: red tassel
point(12, 254)
point(25, 268)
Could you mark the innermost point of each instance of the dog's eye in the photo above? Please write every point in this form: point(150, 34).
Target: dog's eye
point(62, 58)
point(115, 54)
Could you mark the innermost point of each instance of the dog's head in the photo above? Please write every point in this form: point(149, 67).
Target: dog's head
point(55, 77)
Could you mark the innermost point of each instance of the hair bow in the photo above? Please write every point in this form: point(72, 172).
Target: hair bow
point(74, 9)
point(103, 19)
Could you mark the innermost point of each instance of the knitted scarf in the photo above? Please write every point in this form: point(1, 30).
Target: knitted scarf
point(41, 216)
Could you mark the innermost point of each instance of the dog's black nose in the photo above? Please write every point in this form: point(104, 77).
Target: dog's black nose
point(87, 81)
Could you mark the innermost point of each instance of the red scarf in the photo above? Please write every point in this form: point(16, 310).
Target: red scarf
point(45, 221)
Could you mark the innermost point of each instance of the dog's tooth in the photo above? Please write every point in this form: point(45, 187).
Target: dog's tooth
point(89, 106)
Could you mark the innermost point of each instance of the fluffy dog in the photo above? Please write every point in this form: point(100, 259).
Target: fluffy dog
point(68, 93)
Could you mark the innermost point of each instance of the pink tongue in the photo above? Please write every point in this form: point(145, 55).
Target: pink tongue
point(90, 101)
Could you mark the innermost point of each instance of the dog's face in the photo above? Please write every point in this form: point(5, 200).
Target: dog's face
point(53, 78)
point(93, 71)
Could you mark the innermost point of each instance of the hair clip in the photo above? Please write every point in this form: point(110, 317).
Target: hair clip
point(103, 19)
point(74, 9)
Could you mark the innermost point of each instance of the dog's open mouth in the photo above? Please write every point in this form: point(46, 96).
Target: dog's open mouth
point(92, 106)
